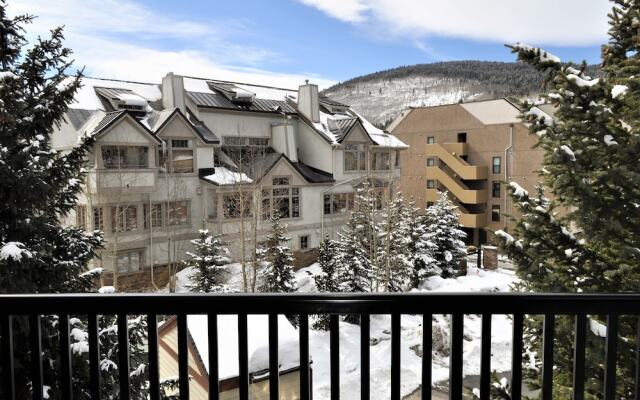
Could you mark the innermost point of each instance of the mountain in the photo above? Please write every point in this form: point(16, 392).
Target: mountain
point(381, 96)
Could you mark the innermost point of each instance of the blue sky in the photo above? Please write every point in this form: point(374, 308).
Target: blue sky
point(285, 41)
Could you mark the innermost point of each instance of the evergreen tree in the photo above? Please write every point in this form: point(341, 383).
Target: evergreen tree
point(418, 247)
point(444, 232)
point(278, 276)
point(591, 170)
point(394, 265)
point(356, 270)
point(365, 209)
point(209, 261)
point(328, 278)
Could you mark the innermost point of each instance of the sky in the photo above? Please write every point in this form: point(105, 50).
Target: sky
point(284, 42)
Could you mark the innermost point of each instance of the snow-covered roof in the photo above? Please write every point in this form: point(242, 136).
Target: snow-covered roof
point(224, 176)
point(257, 339)
point(87, 99)
point(493, 112)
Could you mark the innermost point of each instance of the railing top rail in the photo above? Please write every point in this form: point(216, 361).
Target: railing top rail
point(369, 303)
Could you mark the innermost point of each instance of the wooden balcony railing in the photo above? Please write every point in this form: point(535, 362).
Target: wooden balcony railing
point(181, 305)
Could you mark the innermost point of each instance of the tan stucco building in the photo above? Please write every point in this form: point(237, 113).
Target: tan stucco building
point(472, 150)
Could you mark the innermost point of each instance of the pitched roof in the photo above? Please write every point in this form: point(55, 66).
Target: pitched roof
point(158, 119)
point(110, 118)
point(78, 117)
point(331, 102)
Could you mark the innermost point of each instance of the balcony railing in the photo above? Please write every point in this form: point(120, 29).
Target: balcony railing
point(456, 305)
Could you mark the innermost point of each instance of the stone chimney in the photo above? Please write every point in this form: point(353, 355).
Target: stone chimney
point(308, 104)
point(173, 91)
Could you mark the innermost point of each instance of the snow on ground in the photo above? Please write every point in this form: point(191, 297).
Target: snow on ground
point(476, 280)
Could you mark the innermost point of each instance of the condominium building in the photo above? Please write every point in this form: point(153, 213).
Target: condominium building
point(471, 150)
point(189, 153)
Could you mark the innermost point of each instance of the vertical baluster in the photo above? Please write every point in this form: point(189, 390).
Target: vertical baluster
point(35, 326)
point(365, 357)
point(395, 356)
point(243, 356)
point(274, 371)
point(334, 356)
point(578, 356)
point(637, 397)
point(214, 380)
point(516, 358)
point(547, 356)
point(154, 372)
point(611, 357)
point(305, 392)
point(66, 383)
point(485, 358)
point(8, 379)
point(94, 356)
point(427, 345)
point(455, 356)
point(183, 357)
point(123, 356)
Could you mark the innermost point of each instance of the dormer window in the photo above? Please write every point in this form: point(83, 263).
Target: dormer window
point(176, 156)
point(125, 157)
point(354, 157)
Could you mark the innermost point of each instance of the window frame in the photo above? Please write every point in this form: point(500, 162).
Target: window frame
point(359, 152)
point(129, 252)
point(431, 184)
point(81, 216)
point(431, 139)
point(329, 201)
point(123, 222)
point(304, 238)
point(379, 157)
point(431, 161)
point(122, 155)
point(496, 189)
point(98, 218)
point(166, 154)
point(495, 213)
point(495, 170)
point(280, 192)
point(245, 201)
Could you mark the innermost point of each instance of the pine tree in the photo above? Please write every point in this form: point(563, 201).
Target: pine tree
point(278, 276)
point(394, 265)
point(209, 260)
point(444, 232)
point(585, 237)
point(356, 271)
point(328, 278)
point(365, 210)
point(418, 247)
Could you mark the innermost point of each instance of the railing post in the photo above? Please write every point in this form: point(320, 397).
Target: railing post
point(455, 356)
point(94, 356)
point(274, 373)
point(611, 356)
point(547, 357)
point(427, 355)
point(305, 387)
point(123, 356)
point(183, 357)
point(243, 358)
point(578, 356)
point(154, 371)
point(8, 379)
point(66, 382)
point(637, 394)
point(485, 358)
point(365, 357)
point(35, 326)
point(395, 356)
point(334, 356)
point(214, 381)
point(516, 358)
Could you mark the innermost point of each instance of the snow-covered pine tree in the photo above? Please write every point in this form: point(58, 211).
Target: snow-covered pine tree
point(365, 210)
point(418, 247)
point(208, 260)
point(278, 276)
point(444, 232)
point(591, 171)
point(328, 278)
point(393, 258)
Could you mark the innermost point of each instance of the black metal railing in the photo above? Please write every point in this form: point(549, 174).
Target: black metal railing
point(303, 305)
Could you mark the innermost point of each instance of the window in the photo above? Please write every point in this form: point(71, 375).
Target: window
point(260, 142)
point(153, 218)
point(431, 162)
point(397, 162)
point(124, 218)
point(429, 204)
point(176, 156)
point(125, 157)
point(462, 137)
point(495, 189)
point(81, 216)
point(431, 140)
point(304, 242)
point(243, 141)
point(495, 213)
point(354, 157)
point(129, 261)
point(496, 165)
point(380, 161)
point(431, 184)
point(338, 203)
point(212, 206)
point(98, 218)
point(178, 213)
point(234, 141)
point(281, 198)
point(236, 205)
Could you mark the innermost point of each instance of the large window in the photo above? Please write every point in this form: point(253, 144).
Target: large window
point(244, 141)
point(98, 219)
point(338, 203)
point(176, 156)
point(495, 213)
point(125, 157)
point(81, 216)
point(380, 160)
point(153, 216)
point(129, 261)
point(235, 205)
point(355, 157)
point(496, 165)
point(124, 218)
point(178, 213)
point(281, 198)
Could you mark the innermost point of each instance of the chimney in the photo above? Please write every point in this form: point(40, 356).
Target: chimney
point(308, 104)
point(173, 91)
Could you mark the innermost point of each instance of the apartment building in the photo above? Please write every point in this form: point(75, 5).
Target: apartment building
point(470, 150)
point(189, 153)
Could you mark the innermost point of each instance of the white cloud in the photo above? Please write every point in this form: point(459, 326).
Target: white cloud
point(124, 40)
point(541, 22)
